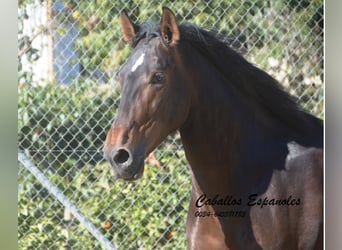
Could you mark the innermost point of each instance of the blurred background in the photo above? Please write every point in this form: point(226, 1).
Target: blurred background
point(69, 53)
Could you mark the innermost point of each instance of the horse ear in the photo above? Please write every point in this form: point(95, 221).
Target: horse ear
point(128, 28)
point(168, 27)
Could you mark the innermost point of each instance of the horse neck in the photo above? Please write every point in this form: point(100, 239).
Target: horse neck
point(225, 144)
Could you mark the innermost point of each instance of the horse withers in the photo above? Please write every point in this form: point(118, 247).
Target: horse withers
point(256, 158)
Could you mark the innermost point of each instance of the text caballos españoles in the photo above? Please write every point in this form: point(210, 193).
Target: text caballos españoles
point(250, 201)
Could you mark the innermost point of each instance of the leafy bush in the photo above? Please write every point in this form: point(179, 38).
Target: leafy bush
point(142, 215)
point(63, 130)
point(64, 126)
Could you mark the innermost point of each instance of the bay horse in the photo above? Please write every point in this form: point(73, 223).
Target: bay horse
point(256, 158)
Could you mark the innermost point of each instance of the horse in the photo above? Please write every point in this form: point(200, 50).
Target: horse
point(256, 157)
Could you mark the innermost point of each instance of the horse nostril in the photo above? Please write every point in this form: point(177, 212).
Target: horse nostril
point(122, 157)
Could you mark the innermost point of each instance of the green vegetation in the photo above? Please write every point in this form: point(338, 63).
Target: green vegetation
point(65, 126)
point(149, 214)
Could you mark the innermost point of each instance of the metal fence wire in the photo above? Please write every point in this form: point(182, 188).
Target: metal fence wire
point(69, 52)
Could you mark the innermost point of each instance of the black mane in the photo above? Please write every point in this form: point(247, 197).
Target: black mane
point(246, 78)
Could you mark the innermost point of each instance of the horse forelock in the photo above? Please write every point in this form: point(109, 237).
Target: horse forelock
point(148, 31)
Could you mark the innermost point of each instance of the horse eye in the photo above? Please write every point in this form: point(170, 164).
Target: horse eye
point(157, 78)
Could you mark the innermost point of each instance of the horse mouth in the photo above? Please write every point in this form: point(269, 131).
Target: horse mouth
point(132, 175)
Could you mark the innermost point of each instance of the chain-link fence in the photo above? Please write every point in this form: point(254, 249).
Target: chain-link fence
point(69, 52)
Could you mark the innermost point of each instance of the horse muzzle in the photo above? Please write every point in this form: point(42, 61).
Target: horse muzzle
point(127, 164)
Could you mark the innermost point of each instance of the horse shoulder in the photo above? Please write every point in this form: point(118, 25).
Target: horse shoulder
point(307, 161)
point(301, 180)
point(306, 164)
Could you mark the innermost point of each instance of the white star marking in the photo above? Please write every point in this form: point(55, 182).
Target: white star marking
point(138, 62)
